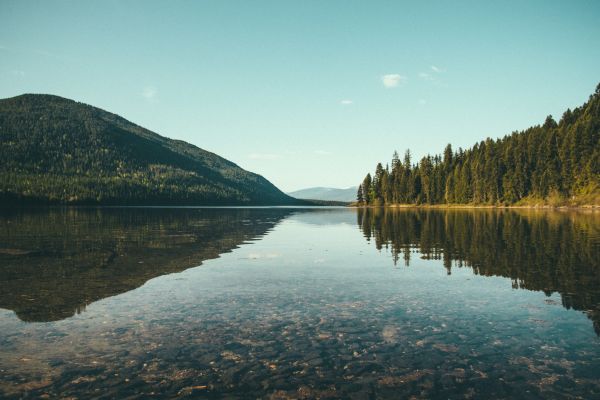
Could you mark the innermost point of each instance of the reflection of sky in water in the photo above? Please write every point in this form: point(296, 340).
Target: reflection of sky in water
point(311, 310)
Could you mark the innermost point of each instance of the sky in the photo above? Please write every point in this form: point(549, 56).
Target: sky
point(309, 93)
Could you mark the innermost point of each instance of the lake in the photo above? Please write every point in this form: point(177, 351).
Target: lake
point(299, 303)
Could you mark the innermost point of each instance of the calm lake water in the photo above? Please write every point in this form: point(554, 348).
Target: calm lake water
point(299, 303)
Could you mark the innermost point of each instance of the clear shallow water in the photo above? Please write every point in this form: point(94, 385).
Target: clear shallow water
point(291, 303)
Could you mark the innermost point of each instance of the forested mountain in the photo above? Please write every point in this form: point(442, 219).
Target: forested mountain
point(553, 163)
point(326, 193)
point(55, 150)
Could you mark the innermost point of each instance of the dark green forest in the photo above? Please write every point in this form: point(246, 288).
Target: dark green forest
point(550, 164)
point(58, 151)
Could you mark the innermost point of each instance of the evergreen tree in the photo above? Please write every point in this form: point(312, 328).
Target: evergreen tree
point(359, 195)
point(366, 189)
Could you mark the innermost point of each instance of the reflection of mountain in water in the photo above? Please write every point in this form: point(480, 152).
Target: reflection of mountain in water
point(543, 251)
point(326, 216)
point(54, 263)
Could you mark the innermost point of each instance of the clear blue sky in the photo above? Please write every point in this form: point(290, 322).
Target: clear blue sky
point(309, 93)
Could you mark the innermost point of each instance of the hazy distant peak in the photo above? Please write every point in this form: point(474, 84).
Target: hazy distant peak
point(326, 193)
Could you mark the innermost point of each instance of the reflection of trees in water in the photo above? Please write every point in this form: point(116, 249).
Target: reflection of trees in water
point(543, 251)
point(53, 263)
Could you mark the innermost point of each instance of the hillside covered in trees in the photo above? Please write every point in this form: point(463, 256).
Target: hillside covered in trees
point(58, 151)
point(551, 164)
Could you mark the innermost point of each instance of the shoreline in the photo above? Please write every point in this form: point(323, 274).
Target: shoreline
point(587, 207)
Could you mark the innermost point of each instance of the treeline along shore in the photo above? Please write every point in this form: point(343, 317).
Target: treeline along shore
point(550, 165)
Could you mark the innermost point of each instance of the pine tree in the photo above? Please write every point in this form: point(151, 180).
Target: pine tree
point(359, 195)
point(366, 188)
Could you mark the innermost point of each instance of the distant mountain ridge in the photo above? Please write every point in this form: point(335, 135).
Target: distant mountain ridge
point(56, 150)
point(326, 193)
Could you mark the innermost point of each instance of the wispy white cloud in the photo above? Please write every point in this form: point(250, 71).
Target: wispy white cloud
point(18, 72)
point(51, 54)
point(425, 76)
point(433, 75)
point(45, 53)
point(150, 94)
point(259, 256)
point(392, 80)
point(323, 153)
point(264, 156)
point(346, 102)
point(422, 102)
